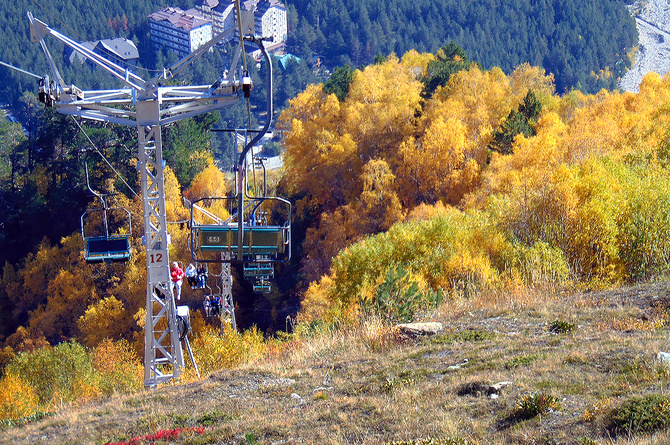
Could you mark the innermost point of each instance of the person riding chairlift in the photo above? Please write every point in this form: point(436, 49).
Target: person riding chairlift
point(177, 275)
point(202, 275)
point(208, 306)
point(216, 305)
point(191, 276)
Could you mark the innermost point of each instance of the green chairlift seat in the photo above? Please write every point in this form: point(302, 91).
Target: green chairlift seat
point(113, 248)
point(105, 244)
point(258, 240)
point(259, 270)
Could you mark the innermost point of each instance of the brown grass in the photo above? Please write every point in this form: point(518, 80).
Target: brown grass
point(368, 384)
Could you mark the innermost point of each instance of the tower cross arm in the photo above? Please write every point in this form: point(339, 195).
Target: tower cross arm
point(39, 30)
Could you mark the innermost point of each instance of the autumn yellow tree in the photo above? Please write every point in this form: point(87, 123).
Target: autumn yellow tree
point(377, 209)
point(210, 183)
point(104, 319)
point(321, 161)
point(438, 166)
point(381, 107)
point(68, 298)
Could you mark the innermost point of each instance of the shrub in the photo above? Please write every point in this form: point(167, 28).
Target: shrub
point(562, 327)
point(641, 415)
point(211, 417)
point(536, 404)
point(6, 355)
point(119, 367)
point(58, 375)
point(214, 352)
point(17, 398)
point(524, 360)
point(537, 264)
point(399, 298)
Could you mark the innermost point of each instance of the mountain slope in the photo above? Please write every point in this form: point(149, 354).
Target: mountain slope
point(570, 39)
point(653, 25)
point(588, 353)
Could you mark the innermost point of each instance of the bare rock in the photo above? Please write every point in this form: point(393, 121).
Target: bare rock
point(420, 329)
point(496, 388)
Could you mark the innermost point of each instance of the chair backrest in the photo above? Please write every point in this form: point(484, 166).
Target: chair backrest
point(115, 248)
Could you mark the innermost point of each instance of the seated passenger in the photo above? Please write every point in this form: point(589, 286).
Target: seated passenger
point(177, 275)
point(202, 276)
point(216, 306)
point(208, 306)
point(191, 275)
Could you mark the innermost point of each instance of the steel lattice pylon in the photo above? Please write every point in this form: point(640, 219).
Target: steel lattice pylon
point(227, 303)
point(162, 348)
point(154, 105)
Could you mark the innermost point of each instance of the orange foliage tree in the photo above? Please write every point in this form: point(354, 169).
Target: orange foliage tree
point(580, 201)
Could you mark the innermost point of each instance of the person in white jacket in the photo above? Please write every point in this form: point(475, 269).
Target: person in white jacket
point(191, 276)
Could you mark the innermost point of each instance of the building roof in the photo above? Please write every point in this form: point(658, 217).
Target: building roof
point(285, 59)
point(264, 5)
point(223, 6)
point(186, 20)
point(123, 48)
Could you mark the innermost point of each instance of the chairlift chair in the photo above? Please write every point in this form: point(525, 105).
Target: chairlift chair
point(105, 244)
point(261, 235)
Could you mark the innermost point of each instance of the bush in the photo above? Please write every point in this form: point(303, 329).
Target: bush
point(641, 415)
point(58, 375)
point(17, 398)
point(399, 299)
point(534, 405)
point(562, 327)
point(214, 352)
point(119, 367)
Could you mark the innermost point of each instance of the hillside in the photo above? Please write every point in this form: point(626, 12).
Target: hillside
point(571, 39)
point(373, 386)
point(584, 44)
point(653, 25)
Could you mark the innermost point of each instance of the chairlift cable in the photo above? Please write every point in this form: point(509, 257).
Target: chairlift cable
point(105, 159)
point(241, 35)
point(246, 70)
point(56, 19)
point(20, 70)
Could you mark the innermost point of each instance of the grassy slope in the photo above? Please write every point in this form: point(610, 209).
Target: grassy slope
point(371, 386)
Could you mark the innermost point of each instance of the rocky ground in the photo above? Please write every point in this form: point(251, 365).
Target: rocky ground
point(585, 353)
point(653, 25)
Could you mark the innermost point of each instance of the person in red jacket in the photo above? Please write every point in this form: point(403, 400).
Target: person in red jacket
point(177, 275)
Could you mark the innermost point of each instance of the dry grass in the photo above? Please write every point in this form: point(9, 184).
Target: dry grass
point(370, 385)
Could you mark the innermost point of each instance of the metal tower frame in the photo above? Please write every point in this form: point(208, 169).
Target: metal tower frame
point(154, 105)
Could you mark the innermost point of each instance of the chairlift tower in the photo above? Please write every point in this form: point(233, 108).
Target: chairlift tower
point(147, 105)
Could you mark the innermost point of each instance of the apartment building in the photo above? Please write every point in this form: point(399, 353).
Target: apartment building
point(271, 21)
point(222, 15)
point(270, 18)
point(180, 31)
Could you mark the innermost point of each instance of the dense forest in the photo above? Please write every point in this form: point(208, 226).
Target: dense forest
point(584, 44)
